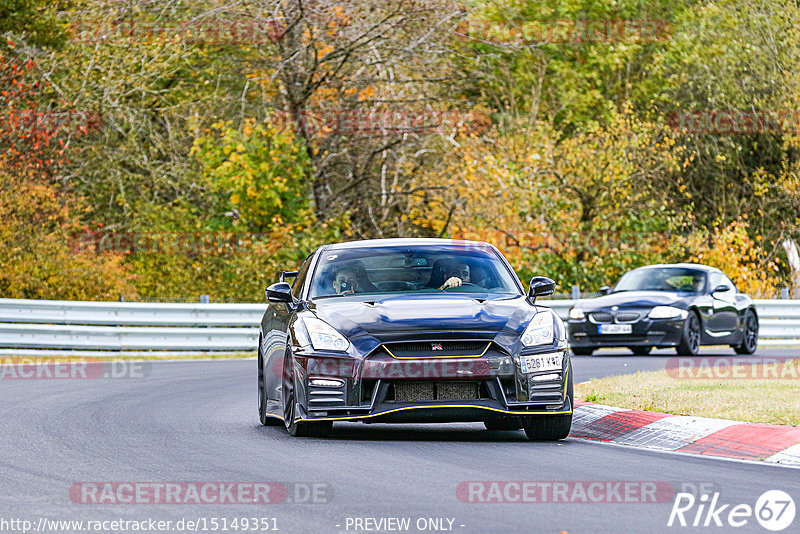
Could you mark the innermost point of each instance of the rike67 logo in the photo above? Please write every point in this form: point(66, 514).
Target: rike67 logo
point(774, 510)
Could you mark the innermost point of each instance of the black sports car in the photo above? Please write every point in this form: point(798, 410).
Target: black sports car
point(412, 330)
point(682, 305)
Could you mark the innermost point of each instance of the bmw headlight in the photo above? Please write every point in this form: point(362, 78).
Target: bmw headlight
point(667, 312)
point(324, 336)
point(539, 331)
point(576, 314)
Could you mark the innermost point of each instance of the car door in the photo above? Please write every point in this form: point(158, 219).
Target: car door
point(279, 315)
point(724, 316)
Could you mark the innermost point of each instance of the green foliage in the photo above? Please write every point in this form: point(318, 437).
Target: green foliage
point(576, 174)
point(31, 22)
point(262, 171)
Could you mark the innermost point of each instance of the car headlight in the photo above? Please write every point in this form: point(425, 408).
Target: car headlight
point(667, 312)
point(324, 336)
point(539, 331)
point(577, 314)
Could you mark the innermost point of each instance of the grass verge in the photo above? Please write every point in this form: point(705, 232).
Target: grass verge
point(773, 401)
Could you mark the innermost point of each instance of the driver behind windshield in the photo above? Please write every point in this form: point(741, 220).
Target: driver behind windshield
point(456, 274)
point(345, 281)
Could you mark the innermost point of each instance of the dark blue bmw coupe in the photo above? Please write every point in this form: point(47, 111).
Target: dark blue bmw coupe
point(412, 330)
point(680, 305)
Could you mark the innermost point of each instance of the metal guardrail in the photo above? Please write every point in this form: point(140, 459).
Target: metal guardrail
point(121, 326)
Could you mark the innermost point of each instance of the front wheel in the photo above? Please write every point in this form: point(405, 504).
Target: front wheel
point(263, 415)
point(550, 427)
point(312, 429)
point(547, 427)
point(689, 344)
point(749, 336)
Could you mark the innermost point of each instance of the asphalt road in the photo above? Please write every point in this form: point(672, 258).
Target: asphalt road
point(196, 421)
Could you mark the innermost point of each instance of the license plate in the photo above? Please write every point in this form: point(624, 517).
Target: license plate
point(614, 328)
point(541, 362)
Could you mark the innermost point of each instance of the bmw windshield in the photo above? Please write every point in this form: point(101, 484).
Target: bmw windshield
point(412, 269)
point(676, 279)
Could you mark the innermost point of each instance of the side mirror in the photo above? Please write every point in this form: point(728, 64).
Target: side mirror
point(280, 292)
point(605, 290)
point(541, 286)
point(721, 289)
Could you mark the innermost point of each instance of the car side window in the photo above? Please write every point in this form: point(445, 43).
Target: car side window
point(297, 287)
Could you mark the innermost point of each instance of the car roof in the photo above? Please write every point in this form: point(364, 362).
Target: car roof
point(697, 266)
point(405, 241)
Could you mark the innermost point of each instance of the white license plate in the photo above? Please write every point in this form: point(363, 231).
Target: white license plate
point(614, 328)
point(541, 362)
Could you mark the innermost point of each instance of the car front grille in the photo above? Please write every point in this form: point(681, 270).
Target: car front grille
point(437, 349)
point(436, 391)
point(601, 317)
point(617, 317)
point(628, 317)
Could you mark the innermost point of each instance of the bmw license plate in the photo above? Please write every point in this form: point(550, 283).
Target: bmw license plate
point(541, 362)
point(614, 328)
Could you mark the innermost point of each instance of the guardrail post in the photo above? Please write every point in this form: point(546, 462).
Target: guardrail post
point(204, 299)
point(576, 292)
point(785, 293)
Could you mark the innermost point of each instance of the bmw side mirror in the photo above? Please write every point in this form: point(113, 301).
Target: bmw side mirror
point(721, 289)
point(280, 292)
point(541, 286)
point(605, 290)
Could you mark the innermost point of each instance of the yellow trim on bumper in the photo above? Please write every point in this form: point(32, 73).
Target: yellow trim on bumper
point(507, 412)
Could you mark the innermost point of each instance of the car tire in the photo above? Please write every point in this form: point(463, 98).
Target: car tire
point(504, 422)
point(689, 344)
point(582, 351)
point(641, 350)
point(749, 336)
point(550, 427)
point(304, 429)
point(263, 416)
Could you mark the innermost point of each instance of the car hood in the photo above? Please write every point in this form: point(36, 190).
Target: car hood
point(407, 316)
point(637, 299)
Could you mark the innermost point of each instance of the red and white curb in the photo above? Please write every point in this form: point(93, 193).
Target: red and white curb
point(693, 435)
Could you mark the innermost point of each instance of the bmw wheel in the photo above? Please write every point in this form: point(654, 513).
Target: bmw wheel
point(749, 336)
point(690, 339)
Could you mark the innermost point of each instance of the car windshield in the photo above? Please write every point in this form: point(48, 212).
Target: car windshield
point(451, 268)
point(663, 279)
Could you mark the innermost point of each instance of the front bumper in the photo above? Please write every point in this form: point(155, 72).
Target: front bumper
point(382, 388)
point(645, 332)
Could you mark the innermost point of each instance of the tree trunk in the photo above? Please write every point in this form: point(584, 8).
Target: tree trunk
point(794, 262)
